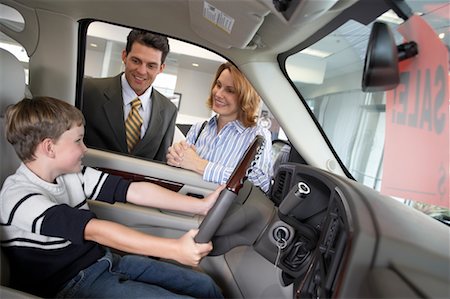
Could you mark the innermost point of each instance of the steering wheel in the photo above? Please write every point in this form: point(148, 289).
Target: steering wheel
point(217, 213)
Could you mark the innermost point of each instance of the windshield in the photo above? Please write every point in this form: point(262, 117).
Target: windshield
point(328, 76)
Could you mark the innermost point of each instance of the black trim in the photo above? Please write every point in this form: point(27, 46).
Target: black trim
point(31, 241)
point(78, 206)
point(371, 13)
point(401, 8)
point(96, 185)
point(200, 131)
point(11, 215)
point(33, 226)
point(82, 41)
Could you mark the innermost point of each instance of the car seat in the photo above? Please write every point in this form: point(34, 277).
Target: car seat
point(13, 88)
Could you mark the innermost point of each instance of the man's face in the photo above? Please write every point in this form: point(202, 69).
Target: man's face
point(142, 65)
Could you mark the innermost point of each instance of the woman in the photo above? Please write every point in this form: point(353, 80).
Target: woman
point(214, 148)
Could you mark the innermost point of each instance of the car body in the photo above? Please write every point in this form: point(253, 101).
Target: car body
point(324, 229)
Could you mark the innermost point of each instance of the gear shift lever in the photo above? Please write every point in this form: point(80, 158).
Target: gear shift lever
point(294, 198)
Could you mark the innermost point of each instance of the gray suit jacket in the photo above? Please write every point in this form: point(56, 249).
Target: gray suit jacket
point(102, 106)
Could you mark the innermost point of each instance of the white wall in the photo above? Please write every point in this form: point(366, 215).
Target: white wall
point(93, 64)
point(194, 88)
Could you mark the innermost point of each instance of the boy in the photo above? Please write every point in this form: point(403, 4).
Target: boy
point(57, 247)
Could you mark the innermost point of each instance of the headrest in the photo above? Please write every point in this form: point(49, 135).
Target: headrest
point(12, 80)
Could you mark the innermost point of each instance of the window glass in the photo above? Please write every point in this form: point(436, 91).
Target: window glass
point(186, 79)
point(328, 75)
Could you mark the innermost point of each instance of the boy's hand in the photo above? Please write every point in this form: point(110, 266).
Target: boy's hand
point(191, 253)
point(211, 199)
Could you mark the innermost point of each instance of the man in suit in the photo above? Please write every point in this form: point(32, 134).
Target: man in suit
point(107, 102)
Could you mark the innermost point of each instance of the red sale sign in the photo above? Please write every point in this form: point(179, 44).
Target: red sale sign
point(416, 154)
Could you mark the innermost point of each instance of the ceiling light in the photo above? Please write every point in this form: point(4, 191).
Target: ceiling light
point(93, 45)
point(316, 53)
point(195, 64)
point(391, 17)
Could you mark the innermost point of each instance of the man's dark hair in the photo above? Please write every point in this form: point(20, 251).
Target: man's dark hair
point(148, 39)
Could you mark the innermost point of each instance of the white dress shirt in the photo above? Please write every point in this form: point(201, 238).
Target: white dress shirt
point(129, 95)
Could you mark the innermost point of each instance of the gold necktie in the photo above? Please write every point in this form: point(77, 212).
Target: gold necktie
point(133, 124)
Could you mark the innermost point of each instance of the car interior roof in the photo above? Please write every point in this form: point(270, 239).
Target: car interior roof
point(271, 34)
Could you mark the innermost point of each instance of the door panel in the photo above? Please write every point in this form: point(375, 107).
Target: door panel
point(148, 220)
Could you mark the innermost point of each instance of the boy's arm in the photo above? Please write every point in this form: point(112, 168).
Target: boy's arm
point(120, 237)
point(152, 195)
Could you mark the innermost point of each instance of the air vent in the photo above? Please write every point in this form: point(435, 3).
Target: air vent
point(281, 186)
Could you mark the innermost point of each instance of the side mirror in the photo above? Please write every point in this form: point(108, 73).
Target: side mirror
point(381, 70)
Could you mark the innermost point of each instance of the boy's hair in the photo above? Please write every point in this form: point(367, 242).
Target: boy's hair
point(30, 121)
point(248, 98)
point(148, 39)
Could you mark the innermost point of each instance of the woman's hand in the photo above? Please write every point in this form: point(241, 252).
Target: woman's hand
point(175, 153)
point(183, 155)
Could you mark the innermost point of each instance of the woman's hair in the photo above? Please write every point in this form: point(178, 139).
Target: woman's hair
point(30, 121)
point(248, 99)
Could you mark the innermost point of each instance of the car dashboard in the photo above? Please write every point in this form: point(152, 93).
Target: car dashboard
point(330, 236)
point(312, 206)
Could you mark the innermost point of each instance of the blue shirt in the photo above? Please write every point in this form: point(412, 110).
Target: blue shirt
point(224, 151)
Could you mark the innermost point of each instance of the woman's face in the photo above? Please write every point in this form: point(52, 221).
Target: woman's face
point(225, 97)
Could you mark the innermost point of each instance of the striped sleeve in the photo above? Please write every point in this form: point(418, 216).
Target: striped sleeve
point(35, 220)
point(26, 210)
point(104, 187)
point(224, 152)
point(215, 172)
point(66, 222)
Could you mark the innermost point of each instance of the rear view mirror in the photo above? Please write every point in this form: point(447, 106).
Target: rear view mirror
point(381, 70)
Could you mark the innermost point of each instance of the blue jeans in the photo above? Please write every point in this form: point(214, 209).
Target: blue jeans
point(134, 276)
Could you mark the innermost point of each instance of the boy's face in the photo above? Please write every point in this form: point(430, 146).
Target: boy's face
point(70, 149)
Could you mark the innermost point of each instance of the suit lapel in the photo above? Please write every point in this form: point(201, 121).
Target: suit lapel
point(114, 111)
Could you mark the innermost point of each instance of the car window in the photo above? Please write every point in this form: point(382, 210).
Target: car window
point(186, 79)
point(104, 45)
point(328, 76)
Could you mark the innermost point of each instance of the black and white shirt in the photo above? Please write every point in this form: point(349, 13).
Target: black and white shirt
point(42, 225)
